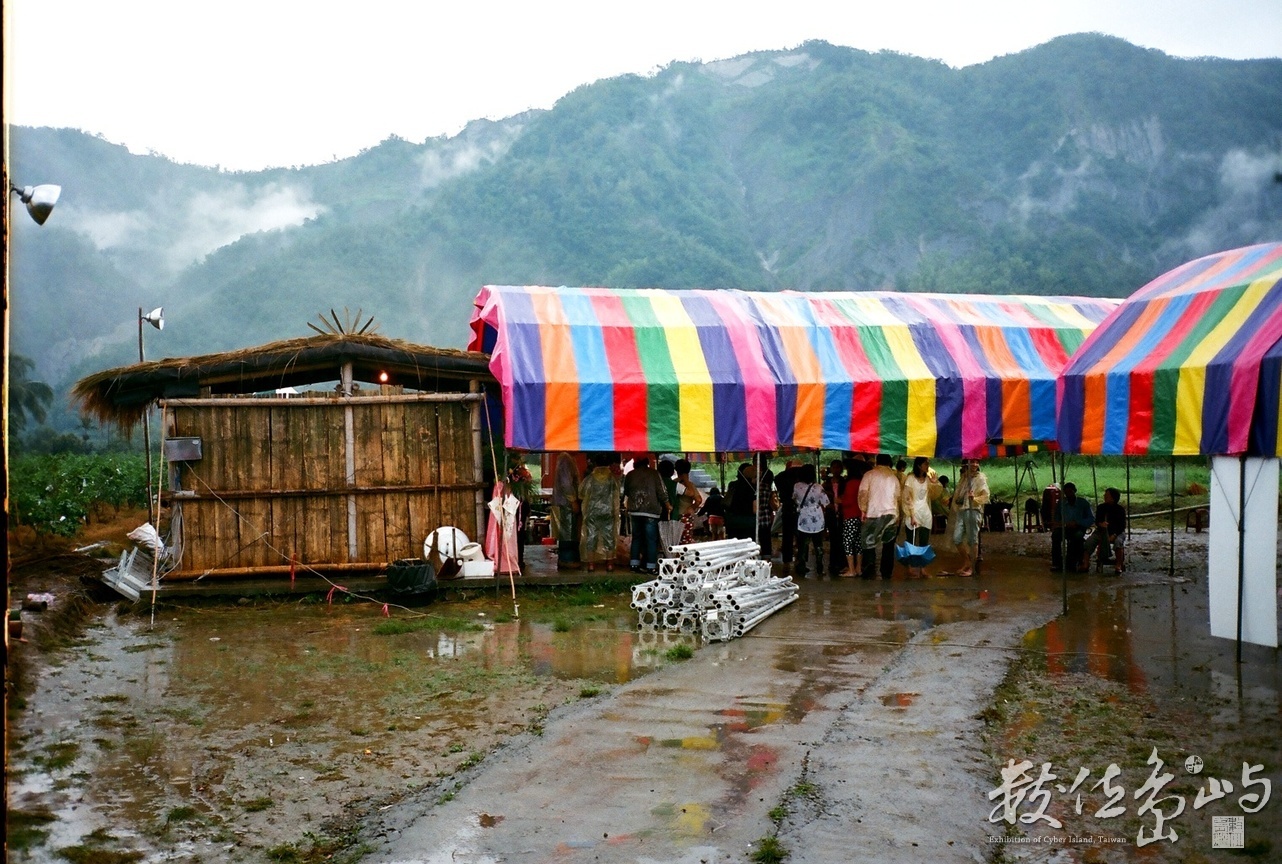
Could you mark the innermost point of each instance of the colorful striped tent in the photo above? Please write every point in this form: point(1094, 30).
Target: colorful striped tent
point(601, 369)
point(1191, 363)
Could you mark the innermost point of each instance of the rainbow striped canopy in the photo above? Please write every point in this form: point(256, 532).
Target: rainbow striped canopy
point(1191, 363)
point(727, 370)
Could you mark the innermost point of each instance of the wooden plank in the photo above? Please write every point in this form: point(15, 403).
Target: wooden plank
point(421, 521)
point(332, 427)
point(305, 402)
point(225, 522)
point(286, 473)
point(465, 464)
point(329, 540)
point(313, 493)
point(244, 471)
point(371, 509)
point(448, 438)
point(396, 505)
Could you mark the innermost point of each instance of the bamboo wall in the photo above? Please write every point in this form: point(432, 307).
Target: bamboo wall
point(272, 482)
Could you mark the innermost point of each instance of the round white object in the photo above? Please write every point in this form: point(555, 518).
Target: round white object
point(471, 552)
point(447, 542)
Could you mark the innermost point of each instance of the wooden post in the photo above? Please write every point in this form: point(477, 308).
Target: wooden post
point(1128, 499)
point(1241, 548)
point(1171, 571)
point(478, 459)
point(349, 453)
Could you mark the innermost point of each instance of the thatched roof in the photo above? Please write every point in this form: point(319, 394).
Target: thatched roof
point(121, 395)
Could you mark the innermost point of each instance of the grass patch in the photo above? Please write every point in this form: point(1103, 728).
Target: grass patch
point(81, 854)
point(803, 790)
point(25, 829)
point(257, 805)
point(398, 626)
point(561, 625)
point(474, 758)
point(114, 697)
point(769, 851)
point(59, 755)
point(285, 853)
point(183, 813)
point(589, 692)
point(679, 652)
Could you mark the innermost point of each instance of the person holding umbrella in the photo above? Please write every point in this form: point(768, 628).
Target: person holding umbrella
point(920, 489)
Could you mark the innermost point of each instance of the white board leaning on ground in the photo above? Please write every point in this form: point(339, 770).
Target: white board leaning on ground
point(1259, 526)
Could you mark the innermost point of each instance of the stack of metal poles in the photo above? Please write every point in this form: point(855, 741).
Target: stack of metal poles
point(720, 589)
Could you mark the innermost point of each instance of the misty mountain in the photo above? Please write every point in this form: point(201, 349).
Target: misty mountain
point(1085, 166)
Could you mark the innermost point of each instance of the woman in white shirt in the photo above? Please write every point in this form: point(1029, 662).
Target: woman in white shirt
point(920, 489)
point(811, 500)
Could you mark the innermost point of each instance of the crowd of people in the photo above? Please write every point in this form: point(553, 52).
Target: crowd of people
point(868, 513)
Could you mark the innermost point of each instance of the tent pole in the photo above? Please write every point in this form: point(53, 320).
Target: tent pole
point(1128, 499)
point(1094, 481)
point(1241, 548)
point(1171, 569)
point(1016, 495)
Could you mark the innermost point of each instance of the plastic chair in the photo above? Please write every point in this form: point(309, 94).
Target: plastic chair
point(1032, 516)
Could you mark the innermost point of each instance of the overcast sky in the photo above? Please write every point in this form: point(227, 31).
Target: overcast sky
point(248, 84)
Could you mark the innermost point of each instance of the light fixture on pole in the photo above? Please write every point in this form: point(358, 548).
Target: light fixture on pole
point(156, 318)
point(39, 199)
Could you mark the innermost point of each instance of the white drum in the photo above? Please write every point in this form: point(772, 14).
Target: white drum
point(471, 552)
point(447, 541)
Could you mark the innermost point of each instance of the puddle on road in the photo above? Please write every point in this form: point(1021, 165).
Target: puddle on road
point(1156, 639)
point(131, 722)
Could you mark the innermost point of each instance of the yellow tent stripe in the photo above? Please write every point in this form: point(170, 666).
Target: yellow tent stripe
point(1190, 392)
point(694, 387)
point(922, 430)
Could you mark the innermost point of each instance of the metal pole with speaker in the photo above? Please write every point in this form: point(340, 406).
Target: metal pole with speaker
point(155, 318)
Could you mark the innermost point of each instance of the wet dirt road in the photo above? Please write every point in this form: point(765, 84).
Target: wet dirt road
point(863, 696)
point(846, 725)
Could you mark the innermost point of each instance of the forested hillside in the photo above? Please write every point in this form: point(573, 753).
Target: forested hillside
point(1083, 166)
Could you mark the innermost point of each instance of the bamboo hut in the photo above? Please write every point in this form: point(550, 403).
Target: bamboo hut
point(345, 478)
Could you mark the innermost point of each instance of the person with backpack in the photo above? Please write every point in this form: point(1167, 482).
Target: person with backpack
point(810, 500)
point(879, 492)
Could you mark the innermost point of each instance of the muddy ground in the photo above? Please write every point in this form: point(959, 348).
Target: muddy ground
point(866, 722)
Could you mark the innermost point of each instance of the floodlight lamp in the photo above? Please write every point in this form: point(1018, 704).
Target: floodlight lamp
point(39, 199)
point(156, 317)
